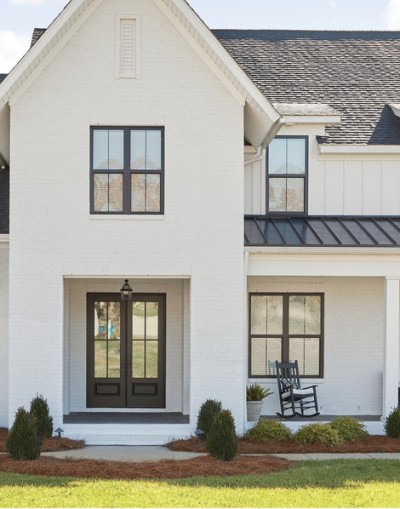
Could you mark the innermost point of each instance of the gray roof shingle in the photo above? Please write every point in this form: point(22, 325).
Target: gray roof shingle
point(356, 73)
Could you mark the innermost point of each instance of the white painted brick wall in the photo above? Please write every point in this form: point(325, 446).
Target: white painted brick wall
point(353, 342)
point(3, 334)
point(200, 235)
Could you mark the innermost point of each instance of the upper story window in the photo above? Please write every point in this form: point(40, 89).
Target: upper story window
point(287, 168)
point(127, 170)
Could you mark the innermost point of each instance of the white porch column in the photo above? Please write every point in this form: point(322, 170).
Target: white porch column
point(391, 347)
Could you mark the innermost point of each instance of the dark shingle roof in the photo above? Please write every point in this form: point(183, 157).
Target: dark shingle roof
point(36, 35)
point(356, 73)
point(4, 201)
point(322, 231)
point(2, 77)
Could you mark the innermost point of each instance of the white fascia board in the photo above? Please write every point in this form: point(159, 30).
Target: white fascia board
point(200, 37)
point(311, 119)
point(360, 149)
point(34, 58)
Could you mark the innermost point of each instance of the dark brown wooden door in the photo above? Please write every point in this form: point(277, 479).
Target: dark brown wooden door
point(126, 351)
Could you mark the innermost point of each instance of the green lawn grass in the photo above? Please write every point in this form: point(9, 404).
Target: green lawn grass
point(338, 483)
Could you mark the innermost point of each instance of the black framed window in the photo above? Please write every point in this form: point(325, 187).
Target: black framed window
point(127, 170)
point(287, 169)
point(286, 327)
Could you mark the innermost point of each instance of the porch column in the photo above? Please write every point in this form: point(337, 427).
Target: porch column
point(391, 347)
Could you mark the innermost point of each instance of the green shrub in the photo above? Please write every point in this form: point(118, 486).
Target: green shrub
point(207, 413)
point(41, 413)
point(221, 439)
point(267, 430)
point(23, 442)
point(349, 428)
point(255, 392)
point(392, 423)
point(318, 434)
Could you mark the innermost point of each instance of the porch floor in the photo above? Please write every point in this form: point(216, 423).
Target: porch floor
point(125, 418)
point(323, 418)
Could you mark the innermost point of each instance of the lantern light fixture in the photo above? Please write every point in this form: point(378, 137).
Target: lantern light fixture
point(126, 291)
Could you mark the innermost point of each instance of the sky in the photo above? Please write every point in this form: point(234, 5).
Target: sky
point(19, 17)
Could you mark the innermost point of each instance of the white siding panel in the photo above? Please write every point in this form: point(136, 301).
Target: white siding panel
point(248, 189)
point(372, 187)
point(316, 186)
point(353, 187)
point(334, 200)
point(4, 335)
point(391, 187)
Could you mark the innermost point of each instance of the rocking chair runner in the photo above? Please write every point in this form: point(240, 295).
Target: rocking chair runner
point(292, 397)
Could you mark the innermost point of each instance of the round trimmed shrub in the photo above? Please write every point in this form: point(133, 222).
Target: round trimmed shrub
point(267, 430)
point(349, 428)
point(23, 442)
point(207, 413)
point(41, 413)
point(318, 434)
point(392, 423)
point(221, 439)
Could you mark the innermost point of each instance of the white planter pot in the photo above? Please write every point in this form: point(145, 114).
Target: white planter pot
point(254, 410)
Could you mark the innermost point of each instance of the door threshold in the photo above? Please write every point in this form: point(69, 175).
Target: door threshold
point(126, 418)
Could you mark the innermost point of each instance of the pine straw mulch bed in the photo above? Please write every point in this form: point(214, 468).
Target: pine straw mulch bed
point(167, 469)
point(48, 444)
point(372, 443)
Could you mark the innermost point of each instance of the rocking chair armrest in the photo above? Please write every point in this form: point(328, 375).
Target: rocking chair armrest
point(310, 386)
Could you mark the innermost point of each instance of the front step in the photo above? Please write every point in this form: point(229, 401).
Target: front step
point(127, 434)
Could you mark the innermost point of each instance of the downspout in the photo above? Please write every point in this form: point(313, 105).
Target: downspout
point(245, 325)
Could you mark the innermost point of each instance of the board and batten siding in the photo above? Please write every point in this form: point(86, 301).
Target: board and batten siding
point(337, 185)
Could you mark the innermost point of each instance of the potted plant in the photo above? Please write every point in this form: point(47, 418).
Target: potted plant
point(254, 396)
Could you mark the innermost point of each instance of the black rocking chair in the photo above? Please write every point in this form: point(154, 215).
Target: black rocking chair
point(293, 397)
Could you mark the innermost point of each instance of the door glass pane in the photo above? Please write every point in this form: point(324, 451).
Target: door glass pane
point(306, 352)
point(137, 359)
point(264, 353)
point(151, 320)
point(138, 316)
point(114, 320)
point(304, 314)
point(296, 158)
point(100, 320)
point(277, 156)
point(151, 359)
point(100, 359)
point(114, 360)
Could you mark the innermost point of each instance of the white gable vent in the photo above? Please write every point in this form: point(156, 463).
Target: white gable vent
point(128, 48)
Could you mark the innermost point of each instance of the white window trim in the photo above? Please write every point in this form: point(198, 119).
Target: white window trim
point(138, 19)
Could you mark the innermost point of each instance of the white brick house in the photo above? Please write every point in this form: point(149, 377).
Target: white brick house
point(121, 138)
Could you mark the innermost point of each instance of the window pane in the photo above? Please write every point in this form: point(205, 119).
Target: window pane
point(277, 195)
point(266, 314)
point(153, 149)
point(304, 314)
point(108, 149)
point(264, 353)
point(295, 195)
point(108, 192)
point(138, 311)
point(100, 320)
point(137, 359)
point(114, 359)
point(296, 155)
point(151, 359)
point(277, 156)
point(114, 320)
point(100, 359)
point(306, 352)
point(145, 191)
point(138, 150)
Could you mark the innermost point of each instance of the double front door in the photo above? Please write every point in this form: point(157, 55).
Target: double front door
point(126, 351)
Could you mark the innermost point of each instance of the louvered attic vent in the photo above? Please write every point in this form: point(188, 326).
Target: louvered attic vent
point(128, 48)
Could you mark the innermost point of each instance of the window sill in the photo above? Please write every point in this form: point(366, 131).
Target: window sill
point(126, 217)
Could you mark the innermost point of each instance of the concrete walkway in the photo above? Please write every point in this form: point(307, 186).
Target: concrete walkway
point(139, 454)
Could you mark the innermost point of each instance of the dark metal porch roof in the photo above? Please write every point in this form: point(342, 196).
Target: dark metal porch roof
point(322, 231)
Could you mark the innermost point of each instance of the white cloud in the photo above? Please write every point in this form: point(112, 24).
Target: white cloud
point(393, 15)
point(12, 47)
